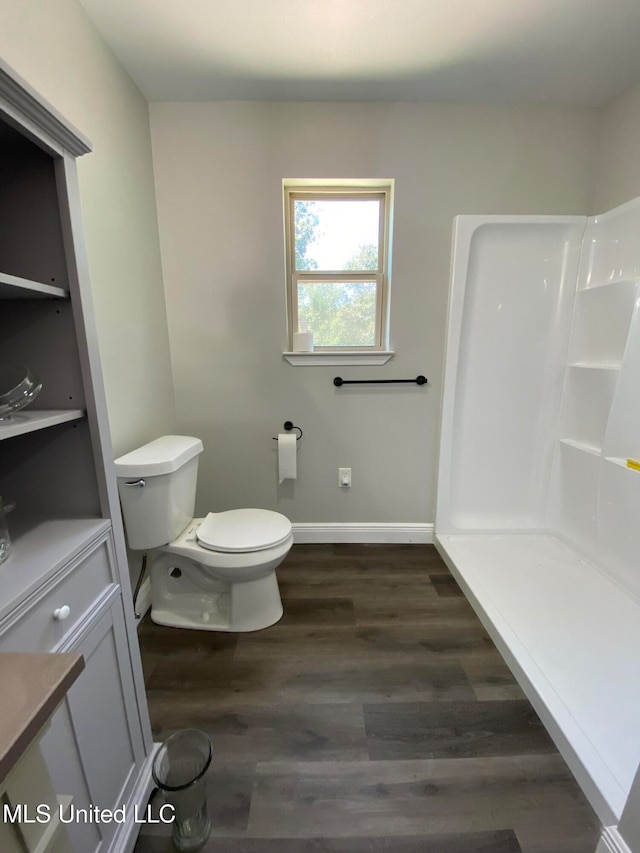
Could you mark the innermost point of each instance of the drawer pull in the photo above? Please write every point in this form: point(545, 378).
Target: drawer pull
point(61, 613)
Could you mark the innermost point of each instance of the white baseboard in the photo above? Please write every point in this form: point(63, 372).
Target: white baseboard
point(143, 601)
point(368, 533)
point(611, 841)
point(365, 533)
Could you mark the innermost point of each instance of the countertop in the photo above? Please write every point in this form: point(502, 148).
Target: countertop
point(31, 688)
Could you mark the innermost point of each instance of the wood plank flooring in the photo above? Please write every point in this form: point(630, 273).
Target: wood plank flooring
point(376, 717)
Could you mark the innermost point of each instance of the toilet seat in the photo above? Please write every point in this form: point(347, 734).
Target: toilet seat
point(243, 530)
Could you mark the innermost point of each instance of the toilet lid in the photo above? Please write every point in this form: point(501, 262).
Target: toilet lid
point(239, 530)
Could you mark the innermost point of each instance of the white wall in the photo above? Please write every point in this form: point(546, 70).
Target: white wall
point(618, 163)
point(55, 48)
point(219, 169)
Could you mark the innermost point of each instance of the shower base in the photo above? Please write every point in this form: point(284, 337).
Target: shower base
point(570, 635)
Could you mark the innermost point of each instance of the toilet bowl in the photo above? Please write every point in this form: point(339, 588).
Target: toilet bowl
point(197, 586)
point(215, 573)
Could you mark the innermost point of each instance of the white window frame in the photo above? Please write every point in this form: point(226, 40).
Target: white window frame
point(319, 190)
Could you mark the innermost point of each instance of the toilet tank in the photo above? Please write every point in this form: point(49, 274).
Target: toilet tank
point(157, 487)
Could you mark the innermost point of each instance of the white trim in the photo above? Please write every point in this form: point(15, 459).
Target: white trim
point(611, 841)
point(338, 359)
point(338, 183)
point(373, 532)
point(383, 194)
point(35, 111)
point(126, 835)
point(143, 601)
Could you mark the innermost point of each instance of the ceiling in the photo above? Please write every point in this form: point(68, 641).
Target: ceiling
point(564, 52)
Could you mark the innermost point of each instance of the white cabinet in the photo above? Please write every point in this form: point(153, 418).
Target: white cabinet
point(99, 714)
point(95, 747)
point(65, 586)
point(60, 751)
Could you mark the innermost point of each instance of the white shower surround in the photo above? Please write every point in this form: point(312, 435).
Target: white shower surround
point(537, 513)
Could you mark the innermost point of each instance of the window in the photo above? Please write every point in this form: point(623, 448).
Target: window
point(337, 249)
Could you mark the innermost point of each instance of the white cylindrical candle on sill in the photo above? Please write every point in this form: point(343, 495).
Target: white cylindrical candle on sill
point(303, 341)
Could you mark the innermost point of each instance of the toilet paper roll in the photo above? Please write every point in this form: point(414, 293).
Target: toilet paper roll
point(287, 449)
point(303, 341)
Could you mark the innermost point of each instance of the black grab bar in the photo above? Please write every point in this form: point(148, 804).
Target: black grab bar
point(338, 381)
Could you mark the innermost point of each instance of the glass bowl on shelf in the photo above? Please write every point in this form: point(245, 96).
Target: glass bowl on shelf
point(18, 388)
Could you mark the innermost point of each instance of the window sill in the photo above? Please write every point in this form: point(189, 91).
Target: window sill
point(335, 359)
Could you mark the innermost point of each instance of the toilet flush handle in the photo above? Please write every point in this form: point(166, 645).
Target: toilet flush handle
point(138, 483)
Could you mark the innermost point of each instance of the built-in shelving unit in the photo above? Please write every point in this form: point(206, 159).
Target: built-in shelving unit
point(583, 490)
point(46, 458)
point(603, 316)
point(65, 585)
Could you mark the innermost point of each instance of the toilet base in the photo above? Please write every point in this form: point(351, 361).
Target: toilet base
point(184, 595)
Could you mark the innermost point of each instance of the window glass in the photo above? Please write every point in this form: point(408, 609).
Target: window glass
point(337, 234)
point(340, 313)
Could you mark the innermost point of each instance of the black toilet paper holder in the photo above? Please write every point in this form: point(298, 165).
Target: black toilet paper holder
point(288, 425)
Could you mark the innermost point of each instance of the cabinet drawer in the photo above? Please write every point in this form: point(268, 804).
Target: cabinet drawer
point(43, 623)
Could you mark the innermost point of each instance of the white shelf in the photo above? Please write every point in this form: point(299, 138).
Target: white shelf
point(624, 281)
point(593, 365)
point(591, 449)
point(586, 405)
point(39, 547)
point(13, 287)
point(622, 463)
point(601, 324)
point(35, 419)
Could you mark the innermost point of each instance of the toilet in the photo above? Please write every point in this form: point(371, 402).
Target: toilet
point(215, 573)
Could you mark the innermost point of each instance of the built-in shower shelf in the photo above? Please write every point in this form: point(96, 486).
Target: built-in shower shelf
point(613, 282)
point(601, 325)
point(588, 397)
point(591, 449)
point(34, 420)
point(622, 463)
point(596, 365)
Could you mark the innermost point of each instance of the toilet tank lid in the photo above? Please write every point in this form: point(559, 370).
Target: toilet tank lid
point(161, 456)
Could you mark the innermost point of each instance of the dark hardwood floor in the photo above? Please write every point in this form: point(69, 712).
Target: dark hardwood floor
point(376, 717)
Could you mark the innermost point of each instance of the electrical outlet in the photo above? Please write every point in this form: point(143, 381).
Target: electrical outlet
point(344, 477)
